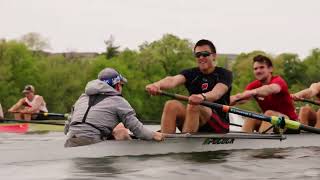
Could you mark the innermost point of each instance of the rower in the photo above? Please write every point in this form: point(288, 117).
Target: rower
point(271, 92)
point(27, 108)
point(102, 113)
point(307, 114)
point(206, 82)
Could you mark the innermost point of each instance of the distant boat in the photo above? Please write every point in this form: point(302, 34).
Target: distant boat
point(28, 128)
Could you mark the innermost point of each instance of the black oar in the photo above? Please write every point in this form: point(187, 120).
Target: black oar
point(274, 120)
point(46, 114)
point(314, 102)
point(156, 122)
point(31, 122)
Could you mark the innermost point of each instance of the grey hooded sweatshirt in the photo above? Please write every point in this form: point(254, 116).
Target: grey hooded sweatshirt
point(106, 114)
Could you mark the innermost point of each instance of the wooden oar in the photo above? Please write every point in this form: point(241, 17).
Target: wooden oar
point(46, 114)
point(280, 122)
point(314, 102)
point(31, 122)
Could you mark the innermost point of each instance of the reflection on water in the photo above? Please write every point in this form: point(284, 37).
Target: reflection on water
point(204, 157)
point(292, 163)
point(270, 154)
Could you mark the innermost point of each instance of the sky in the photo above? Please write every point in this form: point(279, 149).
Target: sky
point(234, 26)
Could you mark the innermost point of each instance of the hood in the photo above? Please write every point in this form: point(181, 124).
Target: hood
point(99, 87)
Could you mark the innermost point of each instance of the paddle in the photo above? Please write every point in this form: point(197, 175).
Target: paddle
point(46, 114)
point(31, 122)
point(280, 122)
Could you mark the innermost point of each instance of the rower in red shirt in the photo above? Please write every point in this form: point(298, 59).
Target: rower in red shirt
point(271, 93)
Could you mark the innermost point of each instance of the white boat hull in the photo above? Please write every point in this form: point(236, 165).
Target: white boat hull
point(54, 150)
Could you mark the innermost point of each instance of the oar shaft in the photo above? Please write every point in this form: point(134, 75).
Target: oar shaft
point(45, 114)
point(311, 101)
point(309, 129)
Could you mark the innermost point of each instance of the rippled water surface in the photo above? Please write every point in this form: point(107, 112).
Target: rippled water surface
point(291, 163)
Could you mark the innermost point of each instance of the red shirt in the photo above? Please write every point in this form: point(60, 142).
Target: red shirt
point(280, 102)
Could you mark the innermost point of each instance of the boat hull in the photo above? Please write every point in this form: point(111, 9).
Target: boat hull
point(55, 150)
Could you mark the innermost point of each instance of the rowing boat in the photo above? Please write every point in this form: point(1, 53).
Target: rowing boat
point(174, 143)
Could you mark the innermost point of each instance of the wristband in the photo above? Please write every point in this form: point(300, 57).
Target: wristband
point(204, 96)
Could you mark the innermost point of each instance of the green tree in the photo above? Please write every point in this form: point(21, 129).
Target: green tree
point(35, 41)
point(312, 62)
point(292, 68)
point(111, 49)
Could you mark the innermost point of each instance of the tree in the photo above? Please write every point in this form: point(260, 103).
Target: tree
point(313, 63)
point(111, 49)
point(35, 41)
point(292, 68)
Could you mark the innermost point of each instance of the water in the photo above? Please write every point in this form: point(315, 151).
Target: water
point(290, 163)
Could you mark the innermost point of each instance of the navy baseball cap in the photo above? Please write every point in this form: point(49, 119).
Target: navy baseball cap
point(111, 76)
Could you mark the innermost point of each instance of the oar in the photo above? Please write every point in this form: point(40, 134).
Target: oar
point(31, 122)
point(156, 122)
point(274, 120)
point(315, 102)
point(46, 114)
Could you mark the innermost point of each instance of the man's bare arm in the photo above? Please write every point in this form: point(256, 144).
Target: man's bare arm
point(262, 91)
point(217, 92)
point(16, 106)
point(310, 92)
point(166, 83)
point(170, 81)
point(267, 90)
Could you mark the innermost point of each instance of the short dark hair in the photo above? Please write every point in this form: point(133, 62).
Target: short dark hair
point(203, 42)
point(263, 59)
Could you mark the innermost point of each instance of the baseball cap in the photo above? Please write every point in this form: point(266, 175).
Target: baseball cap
point(111, 76)
point(28, 88)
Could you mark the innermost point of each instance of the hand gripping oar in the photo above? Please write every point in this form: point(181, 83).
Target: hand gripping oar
point(280, 122)
point(31, 122)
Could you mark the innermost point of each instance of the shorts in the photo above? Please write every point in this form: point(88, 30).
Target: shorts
point(218, 123)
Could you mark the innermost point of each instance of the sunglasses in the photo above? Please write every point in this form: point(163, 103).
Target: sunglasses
point(202, 53)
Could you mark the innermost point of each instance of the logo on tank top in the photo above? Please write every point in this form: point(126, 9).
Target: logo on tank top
point(204, 86)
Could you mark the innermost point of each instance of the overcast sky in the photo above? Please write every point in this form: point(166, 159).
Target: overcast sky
point(234, 26)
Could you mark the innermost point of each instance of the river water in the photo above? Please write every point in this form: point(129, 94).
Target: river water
point(291, 163)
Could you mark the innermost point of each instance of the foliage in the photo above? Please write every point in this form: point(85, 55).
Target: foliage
point(61, 80)
point(35, 41)
point(111, 49)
